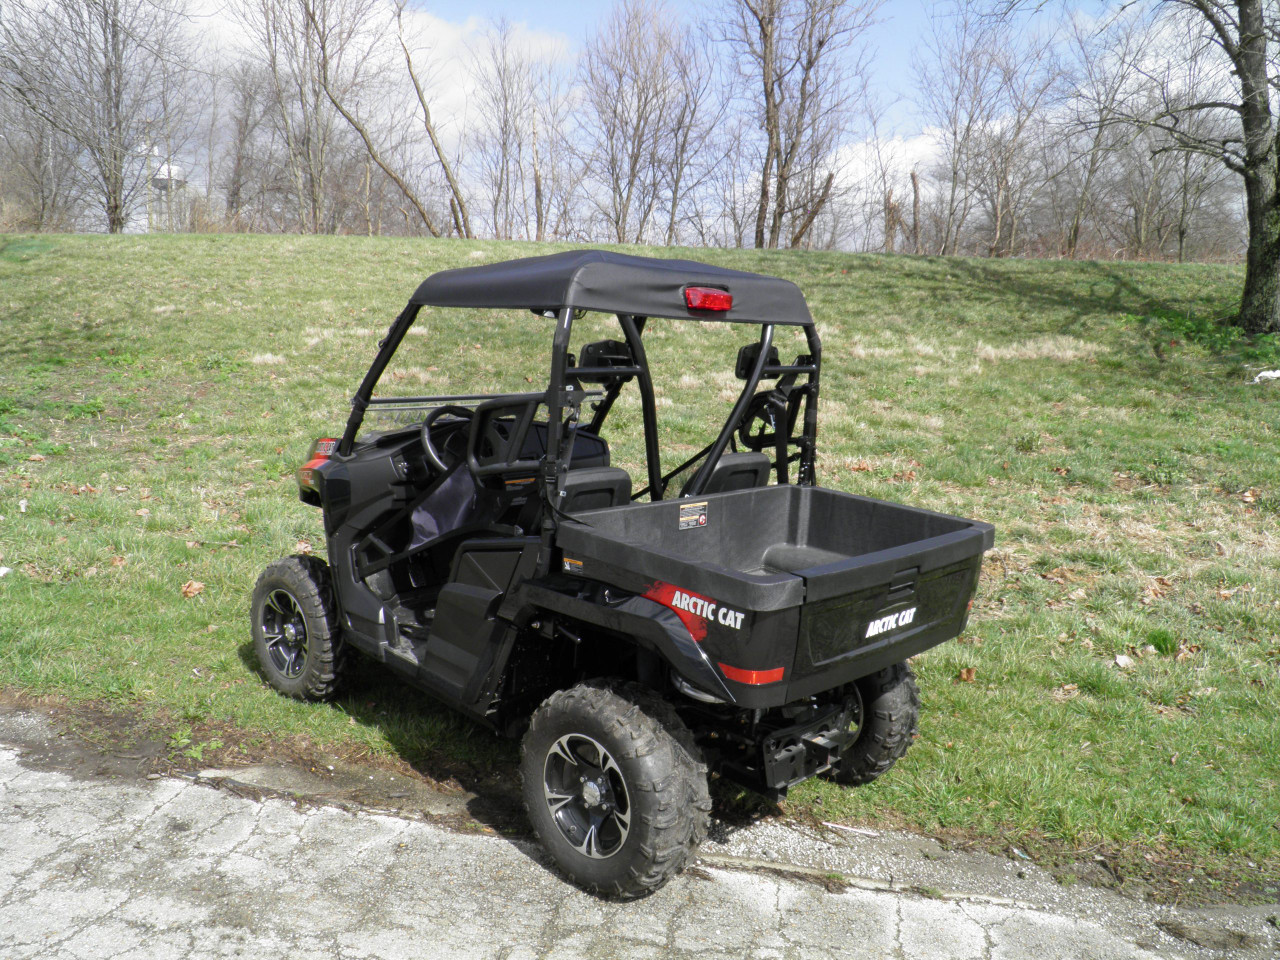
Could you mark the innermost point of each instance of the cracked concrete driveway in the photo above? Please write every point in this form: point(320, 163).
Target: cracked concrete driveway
point(131, 867)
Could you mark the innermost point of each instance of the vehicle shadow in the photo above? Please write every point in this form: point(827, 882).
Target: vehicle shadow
point(464, 760)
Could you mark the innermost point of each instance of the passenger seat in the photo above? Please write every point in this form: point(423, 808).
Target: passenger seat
point(594, 488)
point(738, 471)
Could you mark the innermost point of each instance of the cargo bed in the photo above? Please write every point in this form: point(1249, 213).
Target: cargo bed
point(841, 564)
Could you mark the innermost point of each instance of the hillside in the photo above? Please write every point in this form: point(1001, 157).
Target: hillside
point(156, 394)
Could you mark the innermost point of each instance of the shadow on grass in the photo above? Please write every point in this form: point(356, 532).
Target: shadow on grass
point(1074, 291)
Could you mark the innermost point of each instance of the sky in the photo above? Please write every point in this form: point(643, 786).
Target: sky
point(894, 39)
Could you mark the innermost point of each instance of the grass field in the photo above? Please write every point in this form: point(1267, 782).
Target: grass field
point(156, 394)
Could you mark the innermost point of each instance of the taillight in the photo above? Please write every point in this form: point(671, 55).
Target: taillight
point(708, 298)
point(321, 451)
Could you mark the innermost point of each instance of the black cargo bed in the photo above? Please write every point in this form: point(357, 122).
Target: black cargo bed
point(775, 547)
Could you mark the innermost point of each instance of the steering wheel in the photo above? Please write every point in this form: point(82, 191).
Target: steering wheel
point(429, 448)
point(766, 414)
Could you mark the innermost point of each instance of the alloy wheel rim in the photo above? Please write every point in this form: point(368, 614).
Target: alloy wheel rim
point(285, 631)
point(586, 795)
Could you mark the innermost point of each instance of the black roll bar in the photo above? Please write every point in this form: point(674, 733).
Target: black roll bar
point(386, 350)
point(632, 328)
point(699, 481)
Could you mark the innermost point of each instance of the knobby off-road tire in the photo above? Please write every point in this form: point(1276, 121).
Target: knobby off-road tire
point(295, 628)
point(614, 760)
point(890, 711)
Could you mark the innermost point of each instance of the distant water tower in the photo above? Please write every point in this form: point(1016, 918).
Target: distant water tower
point(165, 188)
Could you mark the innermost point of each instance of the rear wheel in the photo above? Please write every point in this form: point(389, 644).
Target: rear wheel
point(295, 630)
point(890, 709)
point(615, 788)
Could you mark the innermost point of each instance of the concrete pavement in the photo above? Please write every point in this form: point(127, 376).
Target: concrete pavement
point(120, 867)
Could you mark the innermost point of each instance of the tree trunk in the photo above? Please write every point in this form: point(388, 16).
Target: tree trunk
point(1259, 308)
point(915, 212)
point(1260, 303)
point(890, 223)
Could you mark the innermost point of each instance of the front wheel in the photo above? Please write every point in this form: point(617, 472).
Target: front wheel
point(615, 788)
point(295, 628)
point(890, 710)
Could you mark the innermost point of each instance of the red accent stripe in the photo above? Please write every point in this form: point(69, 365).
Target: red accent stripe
point(664, 593)
point(753, 677)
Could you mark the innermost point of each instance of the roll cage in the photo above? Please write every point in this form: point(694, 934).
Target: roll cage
point(615, 283)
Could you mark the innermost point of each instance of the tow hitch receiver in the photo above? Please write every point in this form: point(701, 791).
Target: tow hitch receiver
point(795, 754)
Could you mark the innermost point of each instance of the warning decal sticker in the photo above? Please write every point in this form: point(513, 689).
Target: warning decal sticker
point(693, 515)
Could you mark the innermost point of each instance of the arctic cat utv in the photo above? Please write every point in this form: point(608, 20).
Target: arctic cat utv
point(730, 616)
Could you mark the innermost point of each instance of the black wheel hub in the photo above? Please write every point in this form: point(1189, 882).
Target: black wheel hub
point(586, 796)
point(285, 631)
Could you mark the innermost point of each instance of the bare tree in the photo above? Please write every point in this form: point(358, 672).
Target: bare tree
point(1006, 171)
point(101, 73)
point(347, 44)
point(42, 189)
point(1099, 79)
point(458, 200)
point(627, 84)
point(957, 77)
point(799, 56)
point(506, 153)
point(287, 47)
point(693, 120)
point(1240, 36)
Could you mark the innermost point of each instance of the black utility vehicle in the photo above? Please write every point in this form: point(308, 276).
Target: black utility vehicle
point(740, 620)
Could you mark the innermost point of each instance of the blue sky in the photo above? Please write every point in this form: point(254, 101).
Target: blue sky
point(895, 38)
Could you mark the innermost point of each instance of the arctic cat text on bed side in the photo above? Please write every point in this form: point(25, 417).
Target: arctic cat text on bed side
point(729, 616)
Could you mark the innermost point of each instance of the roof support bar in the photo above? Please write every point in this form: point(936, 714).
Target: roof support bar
point(700, 479)
point(631, 329)
point(386, 349)
point(809, 438)
point(553, 465)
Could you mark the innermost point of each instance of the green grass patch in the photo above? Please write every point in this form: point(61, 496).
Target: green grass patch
point(158, 392)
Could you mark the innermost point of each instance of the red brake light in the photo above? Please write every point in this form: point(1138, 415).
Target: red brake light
point(753, 677)
point(708, 298)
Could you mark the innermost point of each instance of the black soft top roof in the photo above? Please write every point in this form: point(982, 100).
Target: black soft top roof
point(613, 283)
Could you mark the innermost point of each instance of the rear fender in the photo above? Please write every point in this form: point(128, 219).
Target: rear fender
point(651, 624)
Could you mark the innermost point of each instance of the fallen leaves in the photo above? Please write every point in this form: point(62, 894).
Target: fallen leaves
point(36, 458)
point(1062, 471)
point(118, 561)
point(1123, 661)
point(143, 512)
point(906, 476)
point(1068, 691)
point(967, 674)
point(303, 547)
point(1159, 587)
point(192, 588)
